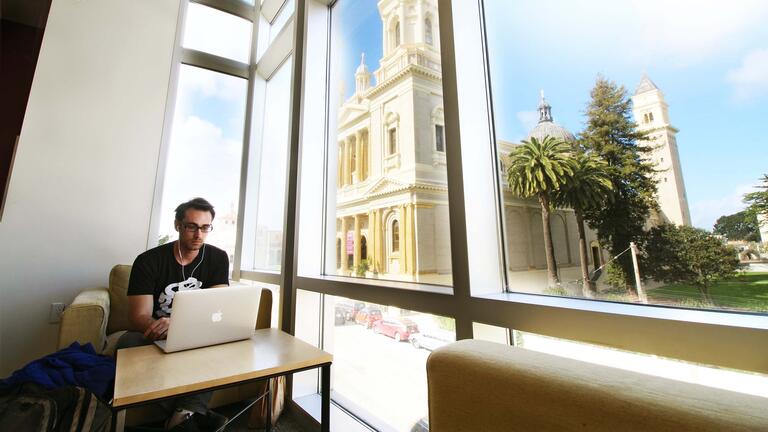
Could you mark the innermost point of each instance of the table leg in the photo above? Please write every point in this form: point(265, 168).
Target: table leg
point(325, 408)
point(268, 427)
point(118, 421)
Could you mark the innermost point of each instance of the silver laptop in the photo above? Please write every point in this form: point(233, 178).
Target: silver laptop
point(211, 316)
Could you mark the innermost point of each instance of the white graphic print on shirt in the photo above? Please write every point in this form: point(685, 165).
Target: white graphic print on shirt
point(166, 297)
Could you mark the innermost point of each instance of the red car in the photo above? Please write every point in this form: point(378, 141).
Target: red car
point(367, 316)
point(398, 328)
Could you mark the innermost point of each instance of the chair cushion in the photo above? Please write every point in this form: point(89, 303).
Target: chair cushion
point(118, 298)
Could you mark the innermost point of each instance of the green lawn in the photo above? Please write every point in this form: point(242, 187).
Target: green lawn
point(745, 292)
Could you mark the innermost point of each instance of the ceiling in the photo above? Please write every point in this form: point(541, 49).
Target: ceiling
point(32, 13)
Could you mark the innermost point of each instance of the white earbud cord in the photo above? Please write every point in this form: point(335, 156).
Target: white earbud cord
point(181, 261)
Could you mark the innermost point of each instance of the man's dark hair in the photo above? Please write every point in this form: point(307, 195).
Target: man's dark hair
point(195, 203)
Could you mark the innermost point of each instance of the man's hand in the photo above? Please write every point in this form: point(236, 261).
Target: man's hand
point(158, 329)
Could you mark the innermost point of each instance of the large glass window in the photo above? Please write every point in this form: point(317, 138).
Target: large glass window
point(265, 202)
point(205, 150)
point(384, 117)
point(380, 355)
point(217, 33)
point(392, 200)
point(606, 135)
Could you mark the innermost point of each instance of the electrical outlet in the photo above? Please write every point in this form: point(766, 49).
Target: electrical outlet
point(56, 310)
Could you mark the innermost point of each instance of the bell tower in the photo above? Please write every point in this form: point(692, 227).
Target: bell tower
point(651, 113)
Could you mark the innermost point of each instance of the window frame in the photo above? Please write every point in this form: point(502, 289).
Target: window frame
point(726, 339)
point(712, 337)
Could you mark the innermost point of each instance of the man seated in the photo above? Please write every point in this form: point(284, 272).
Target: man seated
point(157, 275)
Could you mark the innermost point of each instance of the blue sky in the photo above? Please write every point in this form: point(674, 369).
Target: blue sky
point(709, 58)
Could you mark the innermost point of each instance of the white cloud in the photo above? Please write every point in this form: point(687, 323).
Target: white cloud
point(750, 80)
point(193, 80)
point(640, 32)
point(689, 31)
point(704, 213)
point(201, 162)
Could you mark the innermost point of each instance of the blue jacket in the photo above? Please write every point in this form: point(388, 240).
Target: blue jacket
point(77, 365)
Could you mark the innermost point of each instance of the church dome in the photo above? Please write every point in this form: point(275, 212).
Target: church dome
point(547, 127)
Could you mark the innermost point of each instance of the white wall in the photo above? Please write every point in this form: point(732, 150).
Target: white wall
point(81, 192)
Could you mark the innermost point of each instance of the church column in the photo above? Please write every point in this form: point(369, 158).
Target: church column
point(401, 17)
point(358, 157)
point(349, 159)
point(343, 263)
point(384, 29)
point(380, 244)
point(371, 240)
point(364, 154)
point(356, 253)
point(528, 229)
point(567, 238)
point(410, 238)
point(345, 162)
point(340, 168)
point(420, 23)
point(401, 236)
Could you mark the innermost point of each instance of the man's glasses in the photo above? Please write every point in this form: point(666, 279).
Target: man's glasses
point(190, 227)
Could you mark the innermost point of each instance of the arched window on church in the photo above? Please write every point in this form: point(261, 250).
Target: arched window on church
point(352, 158)
point(392, 144)
point(439, 138)
point(428, 31)
point(645, 118)
point(650, 117)
point(395, 236)
point(397, 35)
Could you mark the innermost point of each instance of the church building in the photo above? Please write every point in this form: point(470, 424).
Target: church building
point(392, 183)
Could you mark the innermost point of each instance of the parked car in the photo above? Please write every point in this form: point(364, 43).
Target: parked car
point(344, 312)
point(398, 328)
point(367, 316)
point(432, 340)
point(338, 316)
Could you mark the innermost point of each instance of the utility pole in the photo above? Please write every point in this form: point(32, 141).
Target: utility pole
point(638, 282)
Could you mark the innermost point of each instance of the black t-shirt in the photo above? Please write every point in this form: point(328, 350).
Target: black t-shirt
point(156, 272)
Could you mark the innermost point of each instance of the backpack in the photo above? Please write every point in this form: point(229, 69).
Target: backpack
point(34, 408)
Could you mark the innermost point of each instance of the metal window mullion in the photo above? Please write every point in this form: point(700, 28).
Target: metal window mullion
point(215, 63)
point(730, 346)
point(270, 9)
point(261, 276)
point(291, 216)
point(245, 157)
point(456, 212)
point(278, 51)
point(497, 182)
point(423, 301)
point(162, 157)
point(234, 7)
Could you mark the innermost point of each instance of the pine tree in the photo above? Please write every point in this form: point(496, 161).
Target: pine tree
point(612, 135)
point(758, 200)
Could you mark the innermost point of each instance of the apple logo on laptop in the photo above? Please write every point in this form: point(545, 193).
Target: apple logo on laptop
point(216, 317)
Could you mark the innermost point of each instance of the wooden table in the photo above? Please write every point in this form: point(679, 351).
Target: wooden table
point(145, 374)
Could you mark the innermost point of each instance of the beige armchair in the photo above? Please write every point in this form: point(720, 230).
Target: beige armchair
point(475, 385)
point(100, 316)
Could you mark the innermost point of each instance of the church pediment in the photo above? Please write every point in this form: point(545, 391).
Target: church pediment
point(350, 112)
point(385, 186)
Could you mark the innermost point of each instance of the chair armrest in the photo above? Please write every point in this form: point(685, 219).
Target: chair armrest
point(85, 320)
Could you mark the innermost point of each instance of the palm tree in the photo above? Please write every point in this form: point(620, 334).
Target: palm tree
point(538, 169)
point(588, 187)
